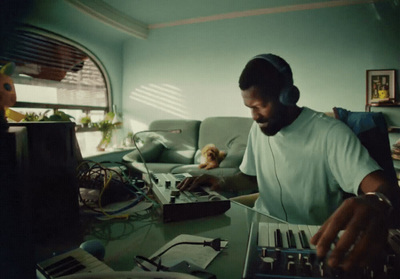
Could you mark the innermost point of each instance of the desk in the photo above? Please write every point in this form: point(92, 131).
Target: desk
point(126, 239)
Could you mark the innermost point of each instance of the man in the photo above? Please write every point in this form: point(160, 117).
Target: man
point(302, 161)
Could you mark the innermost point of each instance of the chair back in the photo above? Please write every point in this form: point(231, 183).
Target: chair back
point(372, 131)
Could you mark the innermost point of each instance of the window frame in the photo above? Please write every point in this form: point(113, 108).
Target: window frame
point(93, 57)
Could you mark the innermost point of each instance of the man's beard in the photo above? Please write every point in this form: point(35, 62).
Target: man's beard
point(274, 126)
point(276, 122)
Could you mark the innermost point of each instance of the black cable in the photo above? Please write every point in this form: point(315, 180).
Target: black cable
point(279, 183)
point(158, 265)
point(94, 175)
point(215, 244)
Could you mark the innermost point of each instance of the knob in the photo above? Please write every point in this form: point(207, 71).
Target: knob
point(291, 267)
point(263, 252)
point(321, 269)
point(307, 267)
point(175, 192)
point(268, 263)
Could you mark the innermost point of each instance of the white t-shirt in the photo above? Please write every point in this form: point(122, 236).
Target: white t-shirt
point(301, 169)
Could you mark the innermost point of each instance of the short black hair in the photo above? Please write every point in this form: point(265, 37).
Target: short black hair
point(260, 73)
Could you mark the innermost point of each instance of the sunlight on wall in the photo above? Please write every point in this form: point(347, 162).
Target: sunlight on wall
point(164, 97)
point(137, 126)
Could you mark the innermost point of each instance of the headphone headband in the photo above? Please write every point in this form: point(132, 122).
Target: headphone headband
point(282, 68)
point(289, 94)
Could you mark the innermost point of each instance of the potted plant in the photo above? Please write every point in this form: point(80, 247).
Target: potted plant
point(106, 127)
point(56, 116)
point(85, 121)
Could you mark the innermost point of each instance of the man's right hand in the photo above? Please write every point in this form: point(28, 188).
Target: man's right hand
point(204, 180)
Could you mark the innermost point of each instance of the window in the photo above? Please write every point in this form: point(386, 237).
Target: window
point(54, 74)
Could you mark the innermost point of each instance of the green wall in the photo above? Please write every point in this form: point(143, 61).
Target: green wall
point(329, 50)
point(191, 71)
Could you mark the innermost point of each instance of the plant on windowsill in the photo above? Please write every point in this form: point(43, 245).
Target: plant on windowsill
point(85, 121)
point(106, 128)
point(57, 116)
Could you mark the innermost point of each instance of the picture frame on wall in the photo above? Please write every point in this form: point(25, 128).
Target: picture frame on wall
point(381, 86)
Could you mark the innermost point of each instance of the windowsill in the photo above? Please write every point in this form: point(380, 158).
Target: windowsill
point(82, 129)
point(88, 142)
point(95, 152)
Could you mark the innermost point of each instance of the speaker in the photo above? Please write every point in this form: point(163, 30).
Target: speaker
point(52, 178)
point(289, 94)
point(17, 257)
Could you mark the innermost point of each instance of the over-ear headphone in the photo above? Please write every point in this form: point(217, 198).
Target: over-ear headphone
point(289, 94)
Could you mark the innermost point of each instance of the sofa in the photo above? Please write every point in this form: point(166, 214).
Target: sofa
point(167, 152)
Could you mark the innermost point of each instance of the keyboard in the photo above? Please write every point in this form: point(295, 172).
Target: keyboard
point(284, 251)
point(76, 261)
point(176, 205)
point(286, 236)
point(79, 264)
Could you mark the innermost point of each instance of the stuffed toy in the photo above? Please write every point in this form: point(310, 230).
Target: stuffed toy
point(7, 92)
point(211, 157)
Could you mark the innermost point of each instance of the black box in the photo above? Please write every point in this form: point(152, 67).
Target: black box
point(52, 179)
point(17, 248)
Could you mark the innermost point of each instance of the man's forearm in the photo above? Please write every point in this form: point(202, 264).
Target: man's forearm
point(238, 182)
point(383, 192)
point(376, 182)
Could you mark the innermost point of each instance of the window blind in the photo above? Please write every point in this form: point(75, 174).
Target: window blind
point(48, 62)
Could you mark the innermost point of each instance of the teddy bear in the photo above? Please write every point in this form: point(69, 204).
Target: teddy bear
point(211, 157)
point(8, 96)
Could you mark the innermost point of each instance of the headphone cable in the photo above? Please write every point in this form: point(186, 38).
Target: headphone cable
point(277, 179)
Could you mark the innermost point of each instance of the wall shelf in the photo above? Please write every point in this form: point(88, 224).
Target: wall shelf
point(393, 129)
point(387, 105)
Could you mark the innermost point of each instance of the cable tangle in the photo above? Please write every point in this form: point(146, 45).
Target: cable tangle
point(100, 186)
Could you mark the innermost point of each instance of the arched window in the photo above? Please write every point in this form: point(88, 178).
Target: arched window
point(54, 73)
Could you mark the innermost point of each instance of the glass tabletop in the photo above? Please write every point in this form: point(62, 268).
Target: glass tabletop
point(144, 234)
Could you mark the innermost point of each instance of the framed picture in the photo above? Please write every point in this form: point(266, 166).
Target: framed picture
point(380, 86)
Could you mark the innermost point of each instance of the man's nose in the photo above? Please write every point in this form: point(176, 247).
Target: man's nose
point(255, 115)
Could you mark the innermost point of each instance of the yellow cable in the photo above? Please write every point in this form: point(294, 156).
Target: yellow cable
point(106, 184)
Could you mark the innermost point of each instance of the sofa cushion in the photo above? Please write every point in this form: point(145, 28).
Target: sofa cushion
point(150, 151)
point(179, 148)
point(228, 134)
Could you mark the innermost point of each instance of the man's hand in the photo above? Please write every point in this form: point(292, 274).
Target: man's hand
point(204, 180)
point(365, 233)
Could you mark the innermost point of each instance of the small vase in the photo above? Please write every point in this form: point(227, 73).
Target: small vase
point(105, 140)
